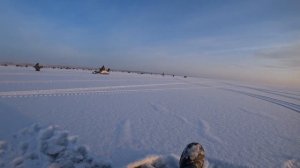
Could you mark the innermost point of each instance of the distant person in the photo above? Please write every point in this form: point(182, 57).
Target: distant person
point(102, 69)
point(37, 67)
point(193, 156)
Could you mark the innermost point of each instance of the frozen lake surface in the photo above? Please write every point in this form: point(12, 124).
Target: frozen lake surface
point(124, 117)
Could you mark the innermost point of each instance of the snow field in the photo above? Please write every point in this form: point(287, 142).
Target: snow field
point(129, 119)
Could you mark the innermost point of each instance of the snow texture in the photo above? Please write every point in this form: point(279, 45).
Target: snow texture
point(168, 161)
point(124, 118)
point(50, 147)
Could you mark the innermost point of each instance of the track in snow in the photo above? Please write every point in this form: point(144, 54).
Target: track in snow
point(289, 95)
point(92, 90)
point(202, 127)
point(291, 106)
point(57, 81)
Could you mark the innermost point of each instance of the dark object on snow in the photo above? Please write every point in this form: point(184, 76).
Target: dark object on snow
point(102, 71)
point(102, 68)
point(185, 76)
point(37, 67)
point(193, 156)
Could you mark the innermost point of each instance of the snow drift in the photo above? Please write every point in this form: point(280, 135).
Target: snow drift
point(38, 147)
point(51, 147)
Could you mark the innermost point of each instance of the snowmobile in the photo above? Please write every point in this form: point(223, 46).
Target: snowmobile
point(102, 71)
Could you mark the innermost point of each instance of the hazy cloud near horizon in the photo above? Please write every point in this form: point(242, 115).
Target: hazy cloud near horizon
point(285, 56)
point(243, 40)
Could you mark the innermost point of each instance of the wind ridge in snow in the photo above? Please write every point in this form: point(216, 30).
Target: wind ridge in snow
point(291, 164)
point(47, 147)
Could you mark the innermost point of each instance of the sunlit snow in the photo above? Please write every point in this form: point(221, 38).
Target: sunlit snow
point(124, 119)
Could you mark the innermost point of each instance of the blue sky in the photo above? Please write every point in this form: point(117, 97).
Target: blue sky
point(255, 40)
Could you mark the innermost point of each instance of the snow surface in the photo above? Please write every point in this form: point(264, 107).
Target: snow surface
point(129, 119)
point(36, 147)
